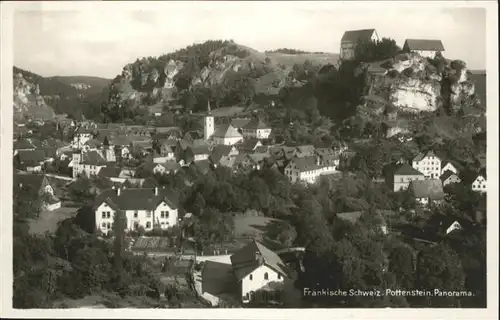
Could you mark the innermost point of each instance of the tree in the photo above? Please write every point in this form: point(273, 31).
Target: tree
point(440, 267)
point(401, 265)
point(85, 219)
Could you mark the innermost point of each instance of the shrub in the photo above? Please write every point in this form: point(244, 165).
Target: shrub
point(393, 73)
point(458, 65)
point(408, 71)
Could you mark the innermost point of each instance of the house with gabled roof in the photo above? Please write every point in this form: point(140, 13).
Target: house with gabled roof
point(256, 268)
point(427, 48)
point(327, 156)
point(399, 176)
point(30, 160)
point(256, 128)
point(449, 177)
point(352, 38)
point(306, 169)
point(305, 151)
point(37, 186)
point(448, 166)
point(248, 145)
point(222, 151)
point(143, 207)
point(240, 123)
point(479, 183)
point(427, 191)
point(428, 163)
point(226, 134)
point(88, 163)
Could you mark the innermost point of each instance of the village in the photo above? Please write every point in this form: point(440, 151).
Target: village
point(130, 158)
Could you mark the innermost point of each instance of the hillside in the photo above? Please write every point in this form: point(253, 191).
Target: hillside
point(223, 71)
point(85, 84)
point(38, 97)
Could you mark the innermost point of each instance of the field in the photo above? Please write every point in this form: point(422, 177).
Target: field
point(47, 222)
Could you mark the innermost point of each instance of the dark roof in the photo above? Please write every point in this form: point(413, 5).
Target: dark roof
point(446, 175)
point(23, 144)
point(256, 123)
point(261, 149)
point(226, 131)
point(357, 35)
point(306, 163)
point(482, 172)
point(137, 198)
point(407, 170)
point(203, 166)
point(193, 134)
point(247, 144)
point(93, 143)
point(120, 141)
point(31, 155)
point(240, 122)
point(34, 180)
point(431, 188)
point(110, 172)
point(306, 149)
point(200, 150)
point(422, 155)
point(244, 261)
point(93, 158)
point(218, 152)
point(424, 44)
point(170, 165)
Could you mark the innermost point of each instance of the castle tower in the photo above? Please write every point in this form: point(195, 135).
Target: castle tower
point(208, 124)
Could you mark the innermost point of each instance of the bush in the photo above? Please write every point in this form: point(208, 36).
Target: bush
point(408, 71)
point(393, 73)
point(458, 65)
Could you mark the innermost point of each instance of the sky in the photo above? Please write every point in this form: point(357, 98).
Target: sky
point(100, 39)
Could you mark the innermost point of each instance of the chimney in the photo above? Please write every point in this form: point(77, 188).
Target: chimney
point(156, 191)
point(118, 191)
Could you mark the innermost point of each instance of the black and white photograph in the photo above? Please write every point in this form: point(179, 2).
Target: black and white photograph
point(238, 155)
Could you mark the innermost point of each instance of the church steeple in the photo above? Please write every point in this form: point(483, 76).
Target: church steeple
point(209, 111)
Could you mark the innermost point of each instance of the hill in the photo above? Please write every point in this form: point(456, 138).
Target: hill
point(37, 97)
point(84, 83)
point(223, 71)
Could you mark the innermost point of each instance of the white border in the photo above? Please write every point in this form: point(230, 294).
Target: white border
point(7, 9)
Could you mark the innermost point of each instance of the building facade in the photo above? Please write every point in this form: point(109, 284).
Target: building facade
point(429, 164)
point(352, 38)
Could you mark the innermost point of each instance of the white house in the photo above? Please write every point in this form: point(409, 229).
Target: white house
point(226, 134)
point(143, 207)
point(352, 38)
point(259, 271)
point(449, 167)
point(403, 175)
point(256, 128)
point(449, 177)
point(480, 184)
point(87, 163)
point(307, 169)
point(428, 163)
point(424, 47)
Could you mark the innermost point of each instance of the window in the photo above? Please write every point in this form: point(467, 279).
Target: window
point(103, 225)
point(162, 214)
point(108, 214)
point(266, 276)
point(109, 225)
point(251, 277)
point(148, 225)
point(136, 214)
point(279, 276)
point(104, 215)
point(148, 214)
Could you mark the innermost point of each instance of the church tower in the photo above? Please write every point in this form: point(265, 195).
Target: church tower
point(208, 124)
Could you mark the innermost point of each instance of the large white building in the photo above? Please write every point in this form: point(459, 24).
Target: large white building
point(87, 163)
point(143, 207)
point(480, 184)
point(208, 124)
point(424, 47)
point(352, 38)
point(428, 163)
point(256, 128)
point(259, 271)
point(307, 169)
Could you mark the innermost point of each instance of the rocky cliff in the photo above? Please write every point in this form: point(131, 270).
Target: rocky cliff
point(28, 102)
point(413, 83)
point(221, 67)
